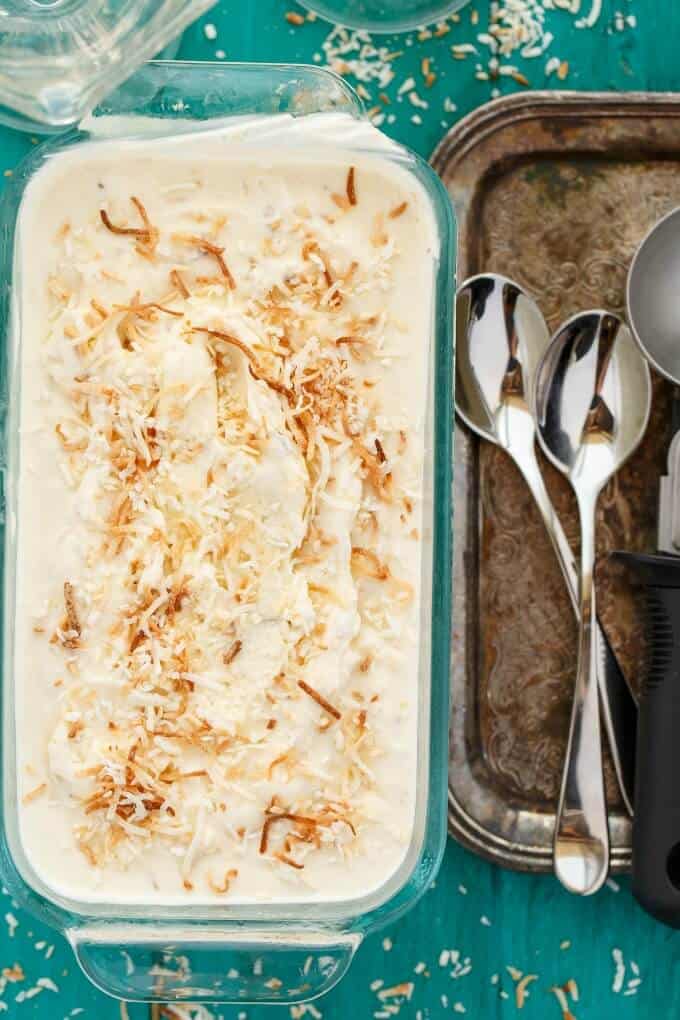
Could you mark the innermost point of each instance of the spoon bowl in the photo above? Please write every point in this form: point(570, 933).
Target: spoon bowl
point(593, 398)
point(502, 337)
point(652, 296)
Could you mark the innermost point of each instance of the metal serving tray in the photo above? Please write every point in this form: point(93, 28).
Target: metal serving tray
point(555, 189)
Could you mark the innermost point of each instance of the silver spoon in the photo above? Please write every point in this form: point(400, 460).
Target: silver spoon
point(501, 338)
point(593, 397)
point(652, 296)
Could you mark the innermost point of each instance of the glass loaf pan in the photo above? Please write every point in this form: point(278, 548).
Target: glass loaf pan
point(218, 953)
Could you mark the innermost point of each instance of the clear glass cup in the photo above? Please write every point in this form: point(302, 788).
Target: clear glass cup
point(220, 952)
point(58, 58)
point(383, 15)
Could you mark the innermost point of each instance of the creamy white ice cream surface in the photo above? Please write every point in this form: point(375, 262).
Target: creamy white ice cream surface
point(224, 352)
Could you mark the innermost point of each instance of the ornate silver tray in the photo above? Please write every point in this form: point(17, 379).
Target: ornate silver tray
point(555, 189)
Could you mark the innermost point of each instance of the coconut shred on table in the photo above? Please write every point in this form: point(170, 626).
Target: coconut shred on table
point(224, 369)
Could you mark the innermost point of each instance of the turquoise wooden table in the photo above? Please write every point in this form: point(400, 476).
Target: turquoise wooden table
point(476, 937)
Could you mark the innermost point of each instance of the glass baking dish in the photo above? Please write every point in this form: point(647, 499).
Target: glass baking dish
point(278, 953)
point(59, 57)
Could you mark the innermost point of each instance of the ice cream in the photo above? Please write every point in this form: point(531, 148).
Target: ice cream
point(224, 366)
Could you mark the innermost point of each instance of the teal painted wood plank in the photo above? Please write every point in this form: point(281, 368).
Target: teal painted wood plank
point(41, 953)
point(528, 918)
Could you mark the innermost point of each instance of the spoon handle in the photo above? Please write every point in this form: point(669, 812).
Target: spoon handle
point(565, 557)
point(619, 711)
point(581, 842)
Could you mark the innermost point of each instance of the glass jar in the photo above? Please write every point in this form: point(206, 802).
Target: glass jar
point(59, 57)
point(384, 15)
point(279, 953)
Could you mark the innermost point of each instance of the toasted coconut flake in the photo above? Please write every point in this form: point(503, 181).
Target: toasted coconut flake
point(341, 201)
point(34, 793)
point(285, 859)
point(225, 885)
point(209, 248)
point(108, 275)
point(284, 816)
point(230, 655)
point(273, 384)
point(58, 289)
point(349, 341)
point(255, 369)
point(143, 309)
point(281, 759)
point(146, 235)
point(366, 562)
point(138, 639)
point(319, 698)
point(562, 1000)
point(229, 339)
point(571, 987)
point(311, 248)
point(404, 989)
point(69, 444)
point(178, 283)
point(72, 620)
point(398, 210)
point(99, 308)
point(521, 989)
point(380, 481)
point(351, 186)
point(13, 974)
point(379, 236)
point(88, 852)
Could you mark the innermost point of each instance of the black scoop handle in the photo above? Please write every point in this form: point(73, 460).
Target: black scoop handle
point(656, 822)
